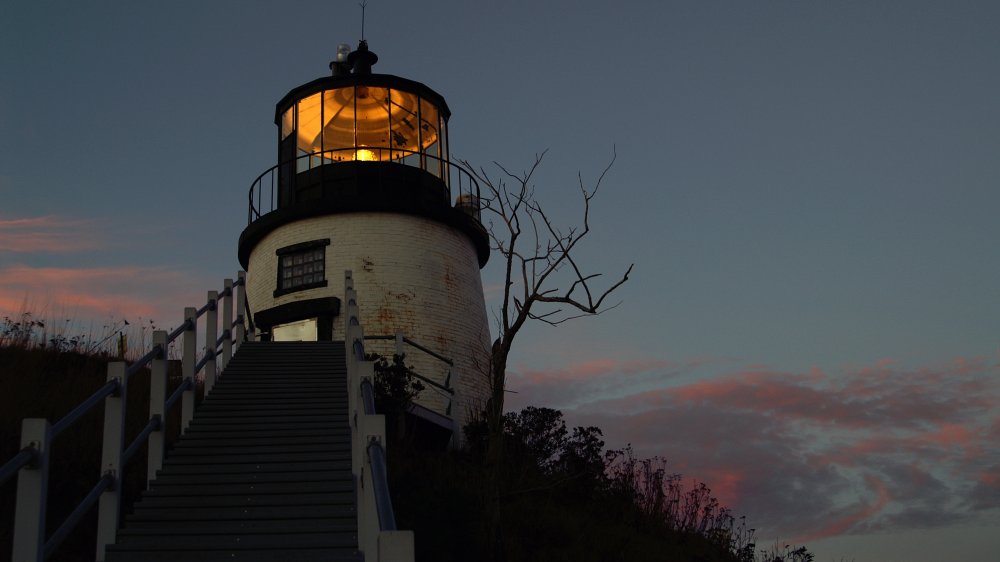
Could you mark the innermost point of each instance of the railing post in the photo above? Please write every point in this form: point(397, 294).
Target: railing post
point(396, 545)
point(211, 336)
point(363, 423)
point(109, 505)
point(187, 365)
point(227, 324)
point(32, 489)
point(400, 351)
point(241, 310)
point(370, 427)
point(157, 406)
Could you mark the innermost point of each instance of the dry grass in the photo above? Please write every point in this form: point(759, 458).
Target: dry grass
point(45, 373)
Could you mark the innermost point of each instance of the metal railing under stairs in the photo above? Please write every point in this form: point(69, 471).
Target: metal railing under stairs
point(31, 463)
point(378, 537)
point(445, 389)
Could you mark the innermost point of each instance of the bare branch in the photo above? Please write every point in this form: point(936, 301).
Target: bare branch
point(544, 280)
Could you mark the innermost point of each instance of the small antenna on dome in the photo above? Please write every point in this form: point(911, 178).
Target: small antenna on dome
point(363, 6)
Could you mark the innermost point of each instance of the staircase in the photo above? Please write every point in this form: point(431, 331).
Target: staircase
point(263, 472)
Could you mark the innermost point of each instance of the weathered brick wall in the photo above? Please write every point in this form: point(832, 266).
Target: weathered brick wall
point(411, 274)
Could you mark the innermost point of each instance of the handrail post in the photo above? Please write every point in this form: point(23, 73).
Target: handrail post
point(108, 507)
point(241, 310)
point(227, 324)
point(457, 399)
point(157, 406)
point(32, 489)
point(365, 426)
point(188, 363)
point(372, 427)
point(400, 351)
point(211, 337)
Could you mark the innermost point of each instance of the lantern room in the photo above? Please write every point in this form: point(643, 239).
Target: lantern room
point(355, 116)
point(355, 141)
point(370, 120)
point(364, 183)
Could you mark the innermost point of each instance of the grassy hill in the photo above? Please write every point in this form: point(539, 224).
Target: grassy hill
point(558, 495)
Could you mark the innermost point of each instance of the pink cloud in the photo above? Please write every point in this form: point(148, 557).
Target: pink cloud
point(583, 380)
point(123, 291)
point(845, 523)
point(47, 234)
point(788, 449)
point(590, 369)
point(949, 434)
point(990, 478)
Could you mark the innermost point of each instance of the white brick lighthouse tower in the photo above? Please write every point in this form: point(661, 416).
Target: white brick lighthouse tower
point(364, 183)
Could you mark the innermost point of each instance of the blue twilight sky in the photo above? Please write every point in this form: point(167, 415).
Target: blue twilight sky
point(808, 191)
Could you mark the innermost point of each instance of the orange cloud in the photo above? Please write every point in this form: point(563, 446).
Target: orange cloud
point(46, 234)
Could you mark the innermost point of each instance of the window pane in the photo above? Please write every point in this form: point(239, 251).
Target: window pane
point(428, 124)
point(287, 122)
point(338, 130)
point(373, 120)
point(309, 124)
point(403, 122)
point(302, 268)
point(443, 144)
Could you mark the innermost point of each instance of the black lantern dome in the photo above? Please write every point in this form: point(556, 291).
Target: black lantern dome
point(358, 141)
point(355, 115)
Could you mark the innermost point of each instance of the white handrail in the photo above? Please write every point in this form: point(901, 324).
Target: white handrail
point(32, 462)
point(378, 537)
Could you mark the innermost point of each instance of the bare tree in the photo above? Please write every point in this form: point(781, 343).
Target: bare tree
point(543, 279)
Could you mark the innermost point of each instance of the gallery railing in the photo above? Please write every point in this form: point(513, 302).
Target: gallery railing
point(263, 194)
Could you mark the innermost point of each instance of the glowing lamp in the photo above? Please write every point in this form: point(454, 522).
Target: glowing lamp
point(365, 155)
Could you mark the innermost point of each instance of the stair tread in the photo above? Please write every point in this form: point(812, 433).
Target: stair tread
point(263, 470)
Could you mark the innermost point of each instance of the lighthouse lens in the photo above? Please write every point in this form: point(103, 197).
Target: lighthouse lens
point(368, 123)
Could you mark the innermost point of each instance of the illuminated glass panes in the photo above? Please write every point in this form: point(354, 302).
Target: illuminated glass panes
point(367, 123)
point(404, 124)
point(302, 266)
point(287, 122)
point(429, 137)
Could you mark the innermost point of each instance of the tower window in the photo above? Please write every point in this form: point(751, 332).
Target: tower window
point(301, 266)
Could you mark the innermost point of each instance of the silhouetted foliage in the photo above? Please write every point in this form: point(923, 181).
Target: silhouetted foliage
point(562, 497)
point(395, 389)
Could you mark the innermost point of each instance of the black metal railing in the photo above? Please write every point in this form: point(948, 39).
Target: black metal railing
point(445, 389)
point(462, 185)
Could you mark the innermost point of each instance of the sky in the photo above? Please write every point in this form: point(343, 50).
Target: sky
point(808, 191)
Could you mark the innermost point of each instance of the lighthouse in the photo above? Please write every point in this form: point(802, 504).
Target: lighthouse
point(364, 183)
